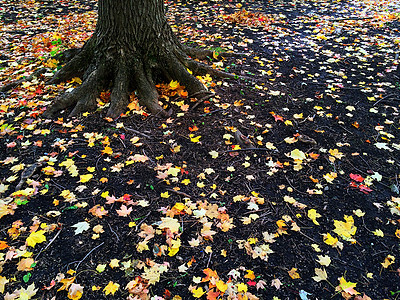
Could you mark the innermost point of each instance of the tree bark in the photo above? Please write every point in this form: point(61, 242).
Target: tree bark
point(132, 46)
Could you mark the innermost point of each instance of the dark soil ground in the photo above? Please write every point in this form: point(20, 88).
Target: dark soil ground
point(322, 113)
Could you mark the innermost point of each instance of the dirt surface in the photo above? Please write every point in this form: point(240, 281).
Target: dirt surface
point(189, 206)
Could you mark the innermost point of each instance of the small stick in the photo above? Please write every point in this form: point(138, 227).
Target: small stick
point(77, 267)
point(48, 245)
point(180, 193)
point(209, 259)
point(113, 231)
point(137, 132)
point(16, 83)
point(246, 149)
point(384, 98)
point(201, 100)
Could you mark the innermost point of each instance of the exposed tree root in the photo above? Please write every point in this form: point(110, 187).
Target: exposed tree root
point(123, 72)
point(16, 83)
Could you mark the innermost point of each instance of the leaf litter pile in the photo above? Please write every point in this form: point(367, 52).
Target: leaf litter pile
point(284, 185)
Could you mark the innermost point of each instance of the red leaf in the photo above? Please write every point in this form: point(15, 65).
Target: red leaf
point(356, 177)
point(251, 283)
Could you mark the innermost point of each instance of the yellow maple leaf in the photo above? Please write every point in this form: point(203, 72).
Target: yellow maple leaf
point(345, 229)
point(388, 261)
point(111, 288)
point(114, 263)
point(346, 287)
point(173, 171)
point(85, 178)
point(107, 150)
point(174, 85)
point(197, 293)
point(313, 215)
point(330, 177)
point(330, 240)
point(250, 275)
point(221, 286)
point(175, 245)
point(297, 154)
point(242, 287)
point(194, 139)
point(293, 273)
point(36, 238)
point(165, 195)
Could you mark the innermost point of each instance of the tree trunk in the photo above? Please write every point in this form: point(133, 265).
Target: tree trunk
point(132, 46)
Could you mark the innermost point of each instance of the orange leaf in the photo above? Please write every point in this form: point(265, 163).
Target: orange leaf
point(3, 245)
point(209, 274)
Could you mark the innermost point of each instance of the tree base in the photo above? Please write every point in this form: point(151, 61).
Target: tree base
point(124, 71)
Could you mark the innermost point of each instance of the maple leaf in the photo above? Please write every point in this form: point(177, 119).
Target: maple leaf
point(85, 178)
point(261, 284)
point(3, 245)
point(111, 288)
point(114, 263)
point(81, 227)
point(194, 139)
point(212, 295)
point(170, 223)
point(297, 154)
point(345, 229)
point(330, 240)
point(209, 275)
point(75, 291)
point(320, 275)
point(346, 287)
point(241, 287)
point(36, 238)
point(313, 215)
point(101, 267)
point(250, 275)
point(174, 248)
point(27, 293)
point(66, 282)
point(124, 211)
point(324, 260)
point(153, 274)
point(165, 195)
point(25, 264)
point(98, 211)
point(293, 273)
point(388, 261)
point(107, 150)
point(198, 292)
point(3, 282)
point(356, 177)
point(221, 286)
point(173, 85)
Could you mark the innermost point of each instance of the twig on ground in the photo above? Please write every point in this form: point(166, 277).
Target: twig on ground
point(209, 259)
point(179, 193)
point(201, 100)
point(113, 231)
point(98, 246)
point(142, 220)
point(137, 132)
point(48, 245)
point(246, 149)
point(16, 83)
point(384, 98)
